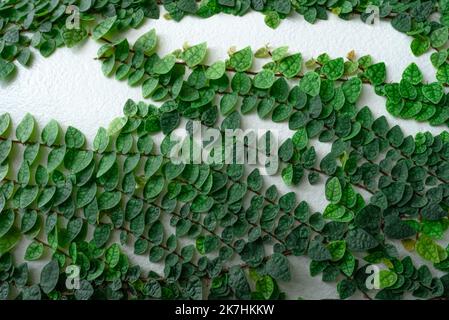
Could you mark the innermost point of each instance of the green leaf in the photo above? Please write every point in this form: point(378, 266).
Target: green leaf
point(195, 55)
point(387, 278)
point(265, 286)
point(206, 244)
point(287, 174)
point(216, 70)
point(334, 69)
point(32, 293)
point(347, 264)
point(153, 187)
point(6, 220)
point(116, 126)
point(108, 66)
point(278, 267)
point(149, 86)
point(438, 58)
point(442, 74)
point(376, 73)
point(202, 203)
point(318, 252)
point(360, 240)
point(103, 27)
point(34, 251)
point(433, 211)
point(6, 69)
point(279, 53)
point(112, 255)
point(435, 229)
point(265, 107)
point(156, 233)
point(101, 140)
point(106, 163)
point(50, 133)
point(333, 212)
point(430, 250)
point(402, 22)
point(45, 196)
point(169, 121)
point(24, 57)
point(101, 235)
point(412, 74)
point(27, 196)
point(164, 65)
point(228, 103)
point(147, 42)
point(352, 89)
point(433, 92)
point(25, 128)
point(47, 48)
point(333, 190)
point(337, 249)
point(282, 112)
point(49, 276)
point(9, 240)
point(264, 79)
point(420, 46)
point(262, 53)
point(272, 19)
point(438, 37)
point(395, 228)
point(310, 83)
point(73, 36)
point(108, 200)
point(55, 158)
point(188, 6)
point(346, 288)
point(5, 123)
point(300, 139)
point(254, 180)
point(242, 60)
point(290, 66)
point(78, 160)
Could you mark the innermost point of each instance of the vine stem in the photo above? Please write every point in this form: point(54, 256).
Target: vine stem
point(232, 70)
point(138, 197)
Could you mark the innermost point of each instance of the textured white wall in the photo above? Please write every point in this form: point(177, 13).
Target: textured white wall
point(70, 88)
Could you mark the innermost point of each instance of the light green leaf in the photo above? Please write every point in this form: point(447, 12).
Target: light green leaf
point(9, 240)
point(216, 70)
point(290, 66)
point(34, 251)
point(333, 190)
point(103, 27)
point(6, 69)
point(242, 60)
point(50, 133)
point(25, 128)
point(116, 125)
point(264, 79)
point(147, 42)
point(430, 250)
point(195, 55)
point(310, 83)
point(165, 64)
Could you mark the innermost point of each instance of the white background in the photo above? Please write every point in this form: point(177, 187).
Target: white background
point(70, 87)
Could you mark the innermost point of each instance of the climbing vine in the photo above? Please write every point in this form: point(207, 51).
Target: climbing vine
point(49, 24)
point(219, 230)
